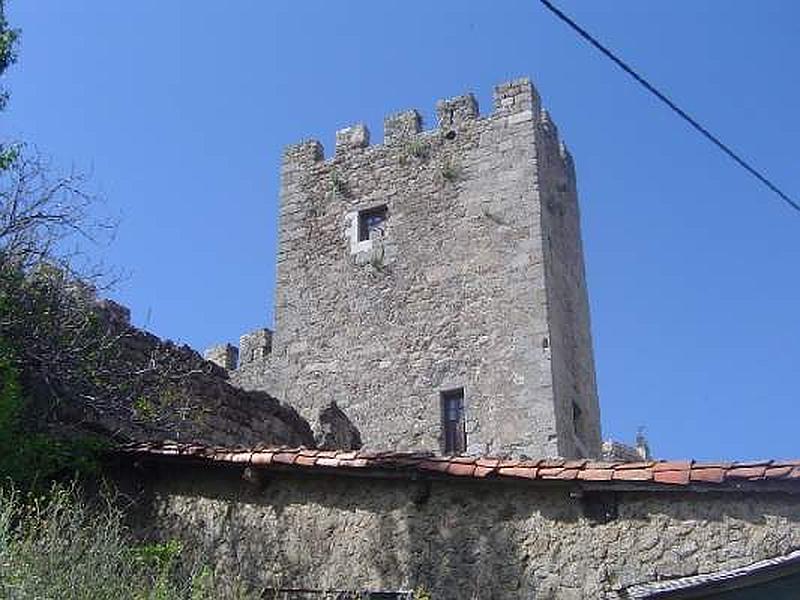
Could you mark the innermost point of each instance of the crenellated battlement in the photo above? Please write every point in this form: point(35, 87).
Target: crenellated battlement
point(353, 137)
point(305, 152)
point(516, 96)
point(401, 126)
point(438, 273)
point(453, 112)
point(254, 347)
point(515, 101)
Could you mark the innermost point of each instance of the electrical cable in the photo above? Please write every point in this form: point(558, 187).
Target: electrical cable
point(675, 108)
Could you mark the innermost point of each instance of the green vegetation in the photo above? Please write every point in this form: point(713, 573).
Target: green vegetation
point(338, 185)
point(419, 149)
point(63, 363)
point(451, 171)
point(57, 547)
point(30, 455)
point(8, 56)
point(421, 594)
point(48, 338)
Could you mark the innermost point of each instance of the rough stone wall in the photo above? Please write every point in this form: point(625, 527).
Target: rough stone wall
point(459, 540)
point(453, 291)
point(149, 389)
point(568, 300)
point(255, 347)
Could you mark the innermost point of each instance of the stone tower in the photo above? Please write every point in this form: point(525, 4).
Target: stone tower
point(433, 286)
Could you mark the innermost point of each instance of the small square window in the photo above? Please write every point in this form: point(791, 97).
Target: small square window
point(370, 220)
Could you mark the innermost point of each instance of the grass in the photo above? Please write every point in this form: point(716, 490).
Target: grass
point(59, 546)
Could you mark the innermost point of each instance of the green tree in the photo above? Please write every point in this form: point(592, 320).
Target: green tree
point(8, 56)
point(45, 321)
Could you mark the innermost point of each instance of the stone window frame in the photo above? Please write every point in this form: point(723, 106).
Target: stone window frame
point(355, 230)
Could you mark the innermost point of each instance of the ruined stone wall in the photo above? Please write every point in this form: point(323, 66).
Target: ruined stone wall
point(452, 291)
point(460, 540)
point(148, 389)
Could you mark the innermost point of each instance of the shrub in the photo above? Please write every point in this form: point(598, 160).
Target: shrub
point(60, 546)
point(31, 459)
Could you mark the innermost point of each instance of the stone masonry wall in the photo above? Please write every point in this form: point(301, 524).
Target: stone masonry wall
point(454, 290)
point(459, 540)
point(568, 299)
point(174, 394)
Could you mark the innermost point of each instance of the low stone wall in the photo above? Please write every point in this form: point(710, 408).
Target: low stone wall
point(456, 538)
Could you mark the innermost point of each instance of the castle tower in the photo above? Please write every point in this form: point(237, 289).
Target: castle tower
point(434, 287)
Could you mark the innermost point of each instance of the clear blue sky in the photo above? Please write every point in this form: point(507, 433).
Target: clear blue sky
point(181, 109)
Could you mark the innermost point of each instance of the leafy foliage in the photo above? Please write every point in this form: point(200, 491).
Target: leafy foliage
point(8, 56)
point(46, 329)
point(30, 459)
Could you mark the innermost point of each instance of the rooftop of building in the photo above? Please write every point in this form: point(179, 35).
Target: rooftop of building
point(650, 475)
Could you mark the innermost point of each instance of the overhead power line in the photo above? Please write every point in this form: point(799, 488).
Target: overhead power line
point(675, 108)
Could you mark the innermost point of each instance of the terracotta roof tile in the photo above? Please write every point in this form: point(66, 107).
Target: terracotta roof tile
point(643, 473)
point(261, 458)
point(237, 457)
point(284, 458)
point(519, 472)
point(635, 465)
point(675, 477)
point(600, 465)
point(431, 465)
point(568, 474)
point(778, 472)
point(633, 474)
point(353, 463)
point(306, 460)
point(746, 472)
point(596, 474)
point(575, 464)
point(349, 455)
point(707, 474)
point(714, 465)
point(484, 471)
point(754, 463)
point(461, 469)
point(672, 465)
point(550, 472)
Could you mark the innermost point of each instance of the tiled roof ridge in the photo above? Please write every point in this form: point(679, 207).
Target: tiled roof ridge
point(664, 473)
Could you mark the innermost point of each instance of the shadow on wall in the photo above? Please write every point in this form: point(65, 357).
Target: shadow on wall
point(456, 540)
point(335, 431)
point(469, 545)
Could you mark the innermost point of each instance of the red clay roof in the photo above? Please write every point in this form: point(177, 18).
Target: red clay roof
point(651, 474)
